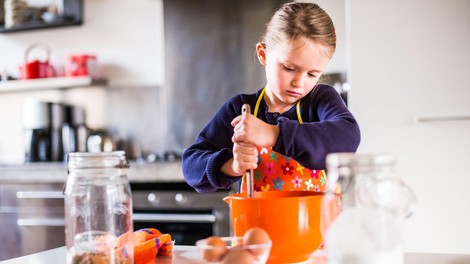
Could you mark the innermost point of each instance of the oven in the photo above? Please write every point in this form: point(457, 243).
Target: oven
point(175, 208)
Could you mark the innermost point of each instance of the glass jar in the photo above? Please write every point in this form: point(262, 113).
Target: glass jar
point(98, 209)
point(364, 209)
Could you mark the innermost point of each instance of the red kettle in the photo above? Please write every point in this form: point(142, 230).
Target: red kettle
point(36, 68)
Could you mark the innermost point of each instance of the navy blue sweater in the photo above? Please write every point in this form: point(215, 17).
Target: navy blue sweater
point(328, 127)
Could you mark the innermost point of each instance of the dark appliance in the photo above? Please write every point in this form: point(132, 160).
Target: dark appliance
point(57, 119)
point(42, 122)
point(74, 130)
point(36, 123)
point(175, 208)
point(52, 130)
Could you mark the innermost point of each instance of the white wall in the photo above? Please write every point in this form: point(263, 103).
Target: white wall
point(411, 59)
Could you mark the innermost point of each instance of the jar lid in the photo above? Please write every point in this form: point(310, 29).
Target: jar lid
point(90, 160)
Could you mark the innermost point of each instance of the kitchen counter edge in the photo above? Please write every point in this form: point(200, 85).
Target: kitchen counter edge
point(190, 255)
point(56, 172)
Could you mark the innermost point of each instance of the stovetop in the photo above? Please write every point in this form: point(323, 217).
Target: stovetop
point(166, 156)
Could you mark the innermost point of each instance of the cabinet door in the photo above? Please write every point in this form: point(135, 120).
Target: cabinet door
point(31, 217)
point(26, 233)
point(410, 59)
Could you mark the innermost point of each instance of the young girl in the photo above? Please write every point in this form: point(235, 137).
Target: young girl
point(295, 122)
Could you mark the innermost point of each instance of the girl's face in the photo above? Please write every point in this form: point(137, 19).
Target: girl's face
point(292, 70)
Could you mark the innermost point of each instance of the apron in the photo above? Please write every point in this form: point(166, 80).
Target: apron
point(276, 172)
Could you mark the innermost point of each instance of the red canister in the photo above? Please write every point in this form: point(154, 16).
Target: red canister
point(82, 65)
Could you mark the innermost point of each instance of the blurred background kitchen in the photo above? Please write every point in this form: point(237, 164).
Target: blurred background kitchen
point(161, 68)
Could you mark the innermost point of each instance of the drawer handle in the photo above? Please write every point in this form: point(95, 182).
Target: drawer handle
point(39, 195)
point(176, 218)
point(37, 222)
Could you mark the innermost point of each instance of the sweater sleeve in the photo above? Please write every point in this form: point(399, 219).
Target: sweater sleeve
point(328, 127)
point(213, 147)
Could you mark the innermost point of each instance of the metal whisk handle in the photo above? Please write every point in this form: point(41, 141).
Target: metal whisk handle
point(249, 173)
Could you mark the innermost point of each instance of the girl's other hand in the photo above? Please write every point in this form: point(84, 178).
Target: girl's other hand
point(250, 130)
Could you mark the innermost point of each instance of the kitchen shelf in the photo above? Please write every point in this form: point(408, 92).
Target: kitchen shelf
point(49, 84)
point(72, 16)
point(42, 25)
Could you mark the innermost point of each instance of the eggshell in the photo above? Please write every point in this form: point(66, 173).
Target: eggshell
point(217, 250)
point(238, 256)
point(256, 236)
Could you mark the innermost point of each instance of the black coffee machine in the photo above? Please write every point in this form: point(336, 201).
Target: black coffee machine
point(52, 130)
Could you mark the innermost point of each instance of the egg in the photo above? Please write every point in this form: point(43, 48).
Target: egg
point(238, 256)
point(255, 236)
point(216, 249)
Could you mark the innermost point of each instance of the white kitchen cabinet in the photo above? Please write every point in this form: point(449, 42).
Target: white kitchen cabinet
point(410, 60)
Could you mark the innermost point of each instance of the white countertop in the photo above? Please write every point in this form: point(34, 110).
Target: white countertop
point(53, 172)
point(190, 255)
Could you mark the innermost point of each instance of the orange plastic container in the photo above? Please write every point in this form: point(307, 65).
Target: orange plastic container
point(291, 218)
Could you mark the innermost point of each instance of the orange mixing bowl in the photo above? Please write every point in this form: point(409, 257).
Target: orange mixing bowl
point(291, 218)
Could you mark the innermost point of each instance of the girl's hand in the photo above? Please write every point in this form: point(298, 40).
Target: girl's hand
point(250, 130)
point(245, 157)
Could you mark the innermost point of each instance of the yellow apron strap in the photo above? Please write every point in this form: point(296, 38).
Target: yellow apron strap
point(255, 113)
point(299, 117)
point(258, 102)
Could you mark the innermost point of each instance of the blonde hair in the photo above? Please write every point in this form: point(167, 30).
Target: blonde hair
point(297, 19)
